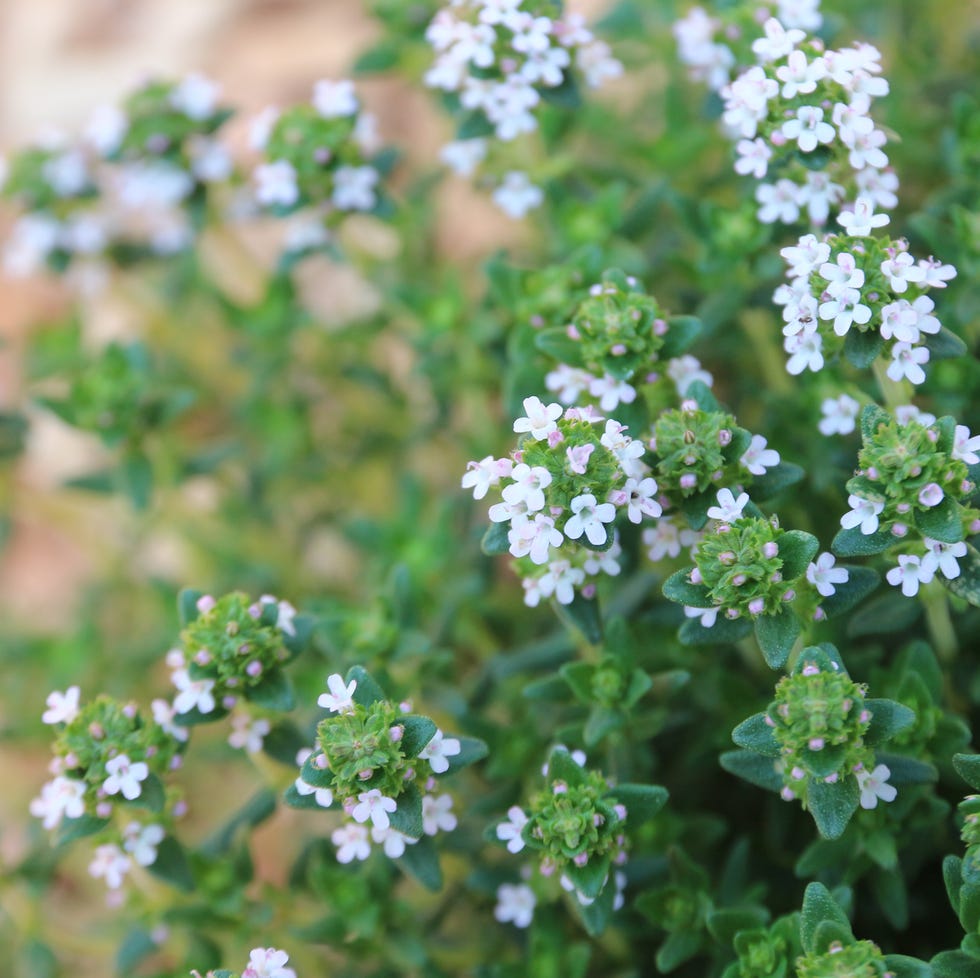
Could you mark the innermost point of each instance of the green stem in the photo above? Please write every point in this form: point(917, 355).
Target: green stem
point(894, 393)
point(758, 326)
point(938, 620)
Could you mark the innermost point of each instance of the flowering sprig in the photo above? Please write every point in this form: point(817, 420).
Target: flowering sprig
point(566, 484)
point(498, 62)
point(323, 155)
point(110, 766)
point(577, 825)
point(859, 296)
point(380, 765)
point(820, 732)
point(233, 650)
point(915, 483)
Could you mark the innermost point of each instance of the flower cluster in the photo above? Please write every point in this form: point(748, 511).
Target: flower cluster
point(501, 58)
point(857, 294)
point(379, 765)
point(711, 45)
point(136, 182)
point(913, 481)
point(232, 650)
point(321, 155)
point(263, 962)
point(569, 479)
point(858, 958)
point(108, 766)
point(802, 115)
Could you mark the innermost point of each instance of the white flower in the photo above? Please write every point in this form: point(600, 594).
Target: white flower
point(464, 156)
point(707, 616)
point(758, 458)
point(839, 415)
point(527, 487)
point(111, 864)
point(778, 202)
point(567, 382)
point(353, 188)
point(374, 806)
point(845, 309)
point(60, 798)
point(879, 186)
point(589, 517)
point(905, 413)
point(806, 255)
point(66, 173)
point(729, 508)
point(864, 513)
point(560, 580)
point(261, 127)
point(285, 616)
point(393, 841)
point(965, 446)
point(604, 561)
point(641, 499)
point(62, 707)
point(936, 273)
point(805, 352)
point(210, 161)
point(124, 776)
point(753, 157)
point(268, 962)
point(196, 96)
point(910, 573)
point(907, 361)
point(437, 815)
point(275, 184)
point(800, 77)
point(611, 392)
point(351, 841)
point(340, 697)
point(685, 370)
point(808, 128)
point(901, 270)
point(666, 539)
point(517, 195)
point(515, 904)
point(860, 222)
point(141, 842)
point(193, 693)
point(899, 321)
point(843, 275)
point(818, 194)
point(480, 476)
point(539, 418)
point(874, 785)
point(106, 129)
point(163, 716)
point(778, 42)
point(322, 796)
point(943, 557)
point(248, 734)
point(438, 751)
point(824, 576)
point(335, 99)
point(800, 13)
point(510, 831)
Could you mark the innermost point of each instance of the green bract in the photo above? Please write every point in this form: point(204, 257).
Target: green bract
point(697, 450)
point(862, 959)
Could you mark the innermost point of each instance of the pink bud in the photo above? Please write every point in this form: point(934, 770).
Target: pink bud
point(726, 557)
point(769, 721)
point(581, 859)
point(254, 668)
point(872, 473)
point(659, 327)
point(787, 794)
point(572, 331)
point(688, 481)
point(396, 733)
point(816, 743)
point(739, 579)
point(103, 809)
point(620, 811)
point(366, 774)
point(724, 437)
point(931, 494)
point(228, 701)
point(899, 530)
point(757, 606)
point(770, 549)
point(555, 438)
point(788, 595)
point(810, 669)
point(902, 508)
point(732, 613)
point(202, 657)
point(320, 762)
point(617, 349)
point(831, 778)
point(695, 576)
point(180, 809)
point(205, 603)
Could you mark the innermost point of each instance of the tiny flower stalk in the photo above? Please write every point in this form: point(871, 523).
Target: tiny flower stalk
point(819, 735)
point(380, 766)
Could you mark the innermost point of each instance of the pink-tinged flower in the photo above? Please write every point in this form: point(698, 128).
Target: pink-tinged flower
point(111, 864)
point(729, 508)
point(778, 42)
point(517, 195)
point(753, 157)
point(510, 831)
point(707, 616)
point(943, 557)
point(374, 806)
point(864, 513)
point(965, 445)
point(611, 392)
point(527, 487)
point(60, 798)
point(823, 575)
point(839, 415)
point(900, 270)
point(335, 99)
point(392, 841)
point(907, 362)
point(685, 370)
point(936, 273)
point(268, 962)
point(874, 786)
point(534, 538)
point(515, 904)
point(275, 184)
point(339, 699)
point(778, 202)
point(248, 734)
point(322, 796)
point(351, 841)
point(800, 77)
point(437, 814)
point(845, 309)
point(142, 841)
point(578, 458)
point(931, 495)
point(808, 128)
point(540, 418)
point(438, 751)
point(910, 573)
point(843, 275)
point(192, 693)
point(125, 777)
point(899, 321)
point(758, 458)
point(589, 517)
point(640, 499)
point(806, 255)
point(860, 221)
point(905, 413)
point(666, 539)
point(62, 707)
point(805, 350)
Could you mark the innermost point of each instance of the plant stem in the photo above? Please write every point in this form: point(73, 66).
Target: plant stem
point(940, 625)
point(894, 393)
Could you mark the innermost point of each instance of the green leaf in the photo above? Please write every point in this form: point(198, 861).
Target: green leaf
point(888, 613)
point(381, 57)
point(294, 799)
point(136, 479)
point(907, 770)
point(967, 585)
point(701, 393)
point(679, 947)
point(408, 816)
point(945, 345)
point(474, 125)
point(283, 742)
point(258, 808)
point(725, 922)
point(953, 881)
point(421, 862)
point(832, 805)
point(968, 768)
point(583, 615)
point(955, 964)
point(695, 508)
point(566, 95)
point(602, 721)
point(642, 801)
point(723, 631)
point(590, 878)
point(136, 945)
point(495, 541)
point(187, 605)
point(887, 719)
point(871, 417)
point(578, 676)
point(752, 767)
point(595, 916)
point(818, 906)
point(418, 732)
point(775, 480)
point(853, 543)
point(861, 581)
point(943, 522)
point(756, 734)
point(171, 865)
point(275, 692)
point(71, 829)
point(549, 689)
point(470, 750)
point(861, 349)
point(562, 767)
point(678, 587)
point(796, 549)
point(681, 333)
point(882, 848)
point(367, 691)
point(776, 635)
point(303, 626)
point(556, 342)
point(152, 794)
point(193, 718)
point(319, 777)
point(37, 960)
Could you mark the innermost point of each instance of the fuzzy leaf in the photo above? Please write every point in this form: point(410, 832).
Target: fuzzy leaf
point(578, 675)
point(775, 480)
point(725, 922)
point(943, 522)
point(681, 333)
point(679, 588)
point(871, 417)
point(558, 344)
point(756, 735)
point(907, 770)
point(818, 906)
point(602, 721)
point(71, 829)
point(723, 631)
point(590, 878)
point(968, 768)
point(832, 805)
point(418, 732)
point(152, 794)
point(861, 349)
point(695, 508)
point(319, 777)
point(367, 691)
point(283, 742)
point(945, 345)
point(136, 945)
point(861, 581)
point(562, 767)
point(888, 613)
point(471, 750)
point(752, 767)
point(583, 615)
point(408, 816)
point(701, 393)
point(595, 916)
point(194, 717)
point(796, 549)
point(171, 865)
point(776, 635)
point(887, 719)
point(967, 585)
point(679, 947)
point(642, 801)
point(275, 692)
point(303, 626)
point(953, 881)
point(421, 862)
point(187, 605)
point(496, 541)
point(854, 543)
point(260, 807)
